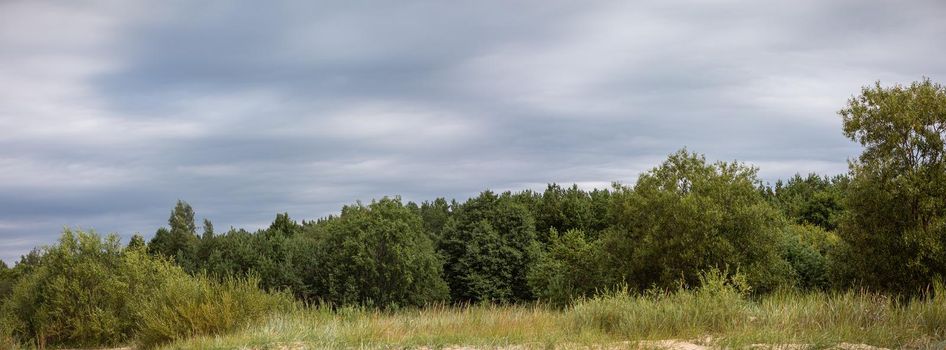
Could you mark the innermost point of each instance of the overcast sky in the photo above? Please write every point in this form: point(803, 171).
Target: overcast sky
point(111, 111)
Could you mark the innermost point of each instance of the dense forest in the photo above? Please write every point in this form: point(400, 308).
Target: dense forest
point(880, 228)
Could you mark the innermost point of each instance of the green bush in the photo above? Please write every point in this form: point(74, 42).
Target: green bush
point(81, 294)
point(87, 291)
point(808, 250)
point(184, 306)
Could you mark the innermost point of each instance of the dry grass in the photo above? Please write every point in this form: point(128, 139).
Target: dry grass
point(715, 318)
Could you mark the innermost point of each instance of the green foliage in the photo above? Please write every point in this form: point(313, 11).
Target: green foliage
point(183, 306)
point(814, 199)
point(377, 255)
point(435, 215)
point(895, 221)
point(283, 226)
point(687, 216)
point(137, 242)
point(7, 278)
point(808, 249)
point(81, 293)
point(564, 209)
point(268, 254)
point(568, 269)
point(489, 244)
point(180, 241)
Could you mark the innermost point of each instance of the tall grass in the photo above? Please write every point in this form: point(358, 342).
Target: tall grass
point(719, 306)
point(720, 313)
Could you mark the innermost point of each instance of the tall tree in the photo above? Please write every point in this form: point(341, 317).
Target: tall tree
point(896, 218)
point(812, 199)
point(137, 242)
point(435, 215)
point(180, 241)
point(377, 255)
point(489, 245)
point(284, 226)
point(686, 216)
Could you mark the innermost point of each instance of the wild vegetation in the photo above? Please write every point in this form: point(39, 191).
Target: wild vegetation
point(694, 249)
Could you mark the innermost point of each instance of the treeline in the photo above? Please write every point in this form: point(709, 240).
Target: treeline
point(681, 218)
point(881, 227)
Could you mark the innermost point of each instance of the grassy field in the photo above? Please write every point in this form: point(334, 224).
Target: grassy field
point(716, 315)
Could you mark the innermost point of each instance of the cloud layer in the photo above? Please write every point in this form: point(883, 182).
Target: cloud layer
point(111, 111)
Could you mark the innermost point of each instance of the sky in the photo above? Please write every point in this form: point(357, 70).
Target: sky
point(111, 111)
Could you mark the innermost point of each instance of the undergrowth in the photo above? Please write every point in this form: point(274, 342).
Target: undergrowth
point(719, 313)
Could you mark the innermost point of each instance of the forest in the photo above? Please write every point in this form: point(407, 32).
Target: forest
point(692, 248)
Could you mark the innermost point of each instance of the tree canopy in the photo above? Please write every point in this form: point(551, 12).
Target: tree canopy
point(895, 220)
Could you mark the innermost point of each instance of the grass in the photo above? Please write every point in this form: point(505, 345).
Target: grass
point(718, 313)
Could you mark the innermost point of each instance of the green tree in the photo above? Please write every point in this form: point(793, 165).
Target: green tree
point(563, 209)
point(813, 199)
point(568, 268)
point(137, 242)
point(895, 221)
point(180, 241)
point(377, 255)
point(435, 215)
point(687, 216)
point(6, 281)
point(208, 230)
point(489, 244)
point(284, 226)
point(602, 208)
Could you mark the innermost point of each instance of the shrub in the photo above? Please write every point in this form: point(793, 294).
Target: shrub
point(80, 294)
point(87, 291)
point(807, 249)
point(184, 306)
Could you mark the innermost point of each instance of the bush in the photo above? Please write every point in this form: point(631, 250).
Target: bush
point(808, 249)
point(266, 253)
point(184, 306)
point(80, 294)
point(89, 292)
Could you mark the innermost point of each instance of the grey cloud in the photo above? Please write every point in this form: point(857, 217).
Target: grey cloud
point(303, 106)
